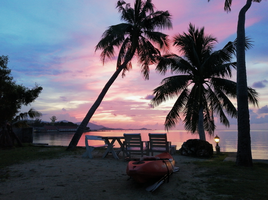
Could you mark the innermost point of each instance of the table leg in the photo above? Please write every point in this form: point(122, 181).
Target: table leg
point(110, 148)
point(121, 146)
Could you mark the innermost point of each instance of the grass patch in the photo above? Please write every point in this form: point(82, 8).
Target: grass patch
point(229, 181)
point(29, 153)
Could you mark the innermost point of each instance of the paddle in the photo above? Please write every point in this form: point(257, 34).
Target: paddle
point(153, 187)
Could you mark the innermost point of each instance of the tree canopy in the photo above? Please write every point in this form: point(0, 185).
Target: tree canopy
point(12, 95)
point(202, 83)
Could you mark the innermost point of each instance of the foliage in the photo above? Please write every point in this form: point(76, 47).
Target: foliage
point(138, 36)
point(228, 4)
point(201, 84)
point(29, 153)
point(53, 119)
point(13, 96)
point(227, 181)
point(244, 157)
point(39, 123)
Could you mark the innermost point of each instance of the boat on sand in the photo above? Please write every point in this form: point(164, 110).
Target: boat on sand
point(151, 168)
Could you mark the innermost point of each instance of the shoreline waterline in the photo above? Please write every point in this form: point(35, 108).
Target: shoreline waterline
point(228, 139)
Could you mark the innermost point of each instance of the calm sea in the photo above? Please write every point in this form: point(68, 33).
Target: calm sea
point(228, 139)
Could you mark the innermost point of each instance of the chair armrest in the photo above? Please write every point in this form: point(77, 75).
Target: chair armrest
point(146, 143)
point(169, 143)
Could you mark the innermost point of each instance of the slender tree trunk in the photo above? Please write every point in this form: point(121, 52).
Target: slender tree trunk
point(94, 107)
point(201, 131)
point(244, 157)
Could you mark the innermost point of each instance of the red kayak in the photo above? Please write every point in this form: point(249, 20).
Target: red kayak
point(151, 168)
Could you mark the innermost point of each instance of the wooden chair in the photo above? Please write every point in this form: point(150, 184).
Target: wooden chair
point(134, 145)
point(158, 143)
point(90, 148)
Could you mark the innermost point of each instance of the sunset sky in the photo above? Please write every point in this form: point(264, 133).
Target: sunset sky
point(52, 43)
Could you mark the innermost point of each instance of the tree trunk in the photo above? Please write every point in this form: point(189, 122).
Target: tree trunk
point(201, 131)
point(244, 157)
point(94, 107)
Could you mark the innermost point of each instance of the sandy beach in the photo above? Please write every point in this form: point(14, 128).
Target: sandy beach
point(74, 177)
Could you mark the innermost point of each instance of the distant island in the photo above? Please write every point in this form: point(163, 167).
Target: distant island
point(105, 128)
point(66, 126)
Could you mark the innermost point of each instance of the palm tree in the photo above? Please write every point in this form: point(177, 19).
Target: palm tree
point(244, 156)
point(21, 119)
point(136, 36)
point(200, 85)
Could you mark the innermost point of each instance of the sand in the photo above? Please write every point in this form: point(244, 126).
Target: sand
point(73, 177)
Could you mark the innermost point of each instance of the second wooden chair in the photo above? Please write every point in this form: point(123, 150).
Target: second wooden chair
point(158, 143)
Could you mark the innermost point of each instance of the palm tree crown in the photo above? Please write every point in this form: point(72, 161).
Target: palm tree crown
point(200, 85)
point(228, 4)
point(136, 35)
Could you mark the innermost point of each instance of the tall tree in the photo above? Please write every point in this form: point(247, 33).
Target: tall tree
point(12, 97)
point(53, 120)
point(138, 36)
point(200, 85)
point(244, 156)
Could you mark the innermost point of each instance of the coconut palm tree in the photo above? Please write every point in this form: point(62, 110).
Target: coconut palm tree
point(201, 86)
point(21, 119)
point(244, 156)
point(136, 36)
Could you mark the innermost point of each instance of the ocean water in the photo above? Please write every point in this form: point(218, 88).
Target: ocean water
point(228, 139)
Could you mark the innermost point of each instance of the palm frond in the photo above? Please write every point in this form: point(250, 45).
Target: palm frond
point(191, 110)
point(159, 38)
point(227, 5)
point(171, 87)
point(148, 7)
point(248, 43)
point(158, 19)
point(174, 115)
point(252, 96)
point(20, 119)
point(219, 100)
point(114, 36)
point(209, 124)
point(127, 13)
point(122, 53)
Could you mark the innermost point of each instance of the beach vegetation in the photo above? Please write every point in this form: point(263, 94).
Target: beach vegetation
point(228, 181)
point(139, 36)
point(244, 155)
point(53, 119)
point(202, 83)
point(12, 97)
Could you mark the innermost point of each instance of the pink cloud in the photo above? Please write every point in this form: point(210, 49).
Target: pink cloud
point(73, 75)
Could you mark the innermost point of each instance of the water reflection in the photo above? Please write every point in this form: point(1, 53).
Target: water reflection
point(228, 139)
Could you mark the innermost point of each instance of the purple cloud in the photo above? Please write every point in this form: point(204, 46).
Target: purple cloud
point(149, 97)
point(263, 110)
point(260, 84)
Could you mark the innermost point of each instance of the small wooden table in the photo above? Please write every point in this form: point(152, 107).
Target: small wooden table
point(110, 140)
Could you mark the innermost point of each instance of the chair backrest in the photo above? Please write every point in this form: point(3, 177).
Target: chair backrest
point(158, 142)
point(133, 144)
point(133, 140)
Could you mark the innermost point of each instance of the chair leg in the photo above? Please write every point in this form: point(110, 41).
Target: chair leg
point(89, 151)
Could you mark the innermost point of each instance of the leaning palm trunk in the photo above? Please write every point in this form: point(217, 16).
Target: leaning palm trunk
point(94, 107)
point(244, 157)
point(201, 130)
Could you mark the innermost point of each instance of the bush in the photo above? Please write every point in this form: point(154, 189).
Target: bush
point(196, 147)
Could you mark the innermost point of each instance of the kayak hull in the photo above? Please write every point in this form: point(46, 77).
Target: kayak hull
point(151, 168)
